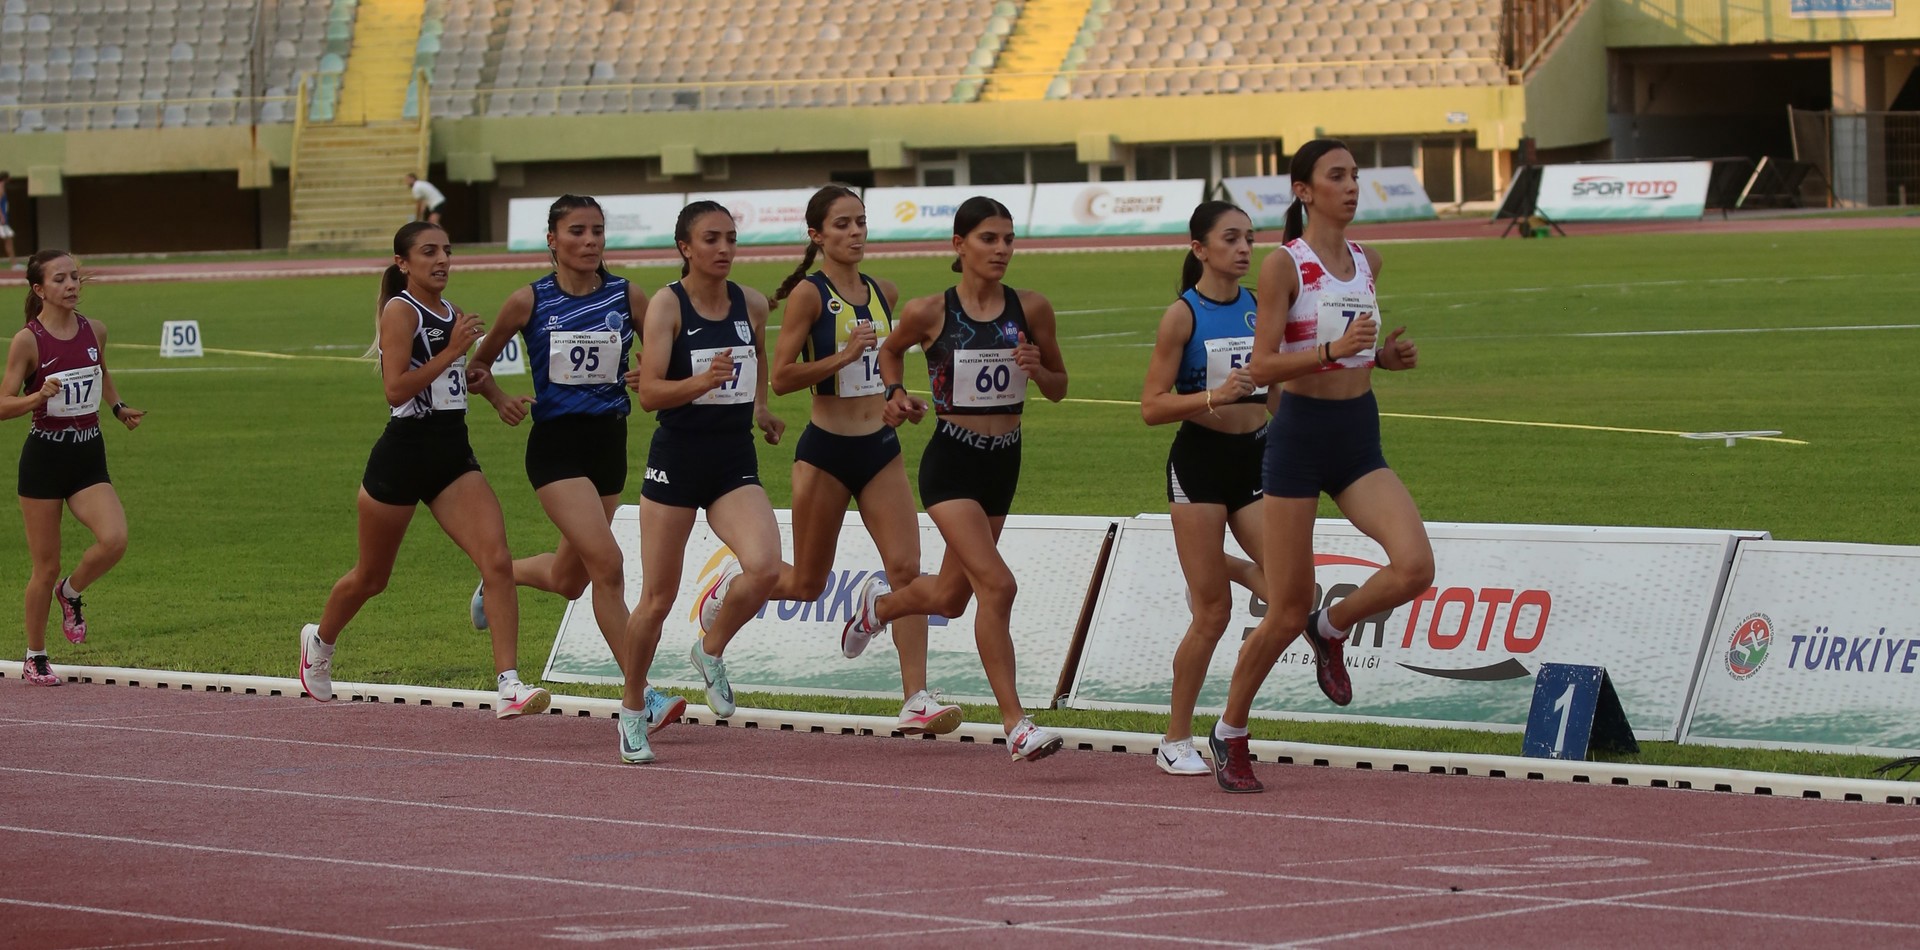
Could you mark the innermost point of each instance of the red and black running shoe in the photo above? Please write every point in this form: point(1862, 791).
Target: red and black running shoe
point(1232, 765)
point(1329, 662)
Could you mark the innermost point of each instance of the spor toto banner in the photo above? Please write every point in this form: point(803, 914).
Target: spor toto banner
point(633, 221)
point(1386, 194)
point(1506, 598)
point(1615, 192)
point(794, 646)
point(764, 217)
point(1114, 207)
point(1816, 646)
point(926, 214)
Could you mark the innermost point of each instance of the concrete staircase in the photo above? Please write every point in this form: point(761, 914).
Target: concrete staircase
point(374, 87)
point(1035, 50)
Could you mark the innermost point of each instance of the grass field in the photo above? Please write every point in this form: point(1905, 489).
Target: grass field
point(240, 486)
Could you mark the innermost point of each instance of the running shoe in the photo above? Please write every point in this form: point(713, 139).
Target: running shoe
point(1233, 765)
point(865, 624)
point(519, 699)
point(925, 713)
point(1030, 742)
point(663, 710)
point(477, 607)
point(1329, 662)
point(713, 671)
point(39, 672)
point(633, 740)
point(1179, 758)
point(316, 671)
point(72, 623)
point(716, 593)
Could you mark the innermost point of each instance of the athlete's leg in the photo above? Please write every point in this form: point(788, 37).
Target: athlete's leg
point(663, 543)
point(743, 520)
point(1287, 543)
point(1379, 505)
point(887, 509)
point(1199, 530)
point(98, 507)
point(819, 508)
point(1248, 528)
point(42, 518)
point(382, 527)
point(973, 539)
point(587, 552)
point(470, 514)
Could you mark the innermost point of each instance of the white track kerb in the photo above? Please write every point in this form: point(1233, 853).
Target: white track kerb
point(1098, 740)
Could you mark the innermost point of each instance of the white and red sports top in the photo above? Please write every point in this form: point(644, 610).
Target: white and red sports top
point(1326, 305)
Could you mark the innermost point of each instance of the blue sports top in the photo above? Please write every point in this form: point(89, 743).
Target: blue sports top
point(577, 349)
point(1222, 341)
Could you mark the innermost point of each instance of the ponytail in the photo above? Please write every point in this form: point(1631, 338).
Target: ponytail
point(1296, 221)
point(37, 275)
point(392, 284)
point(1190, 272)
point(817, 208)
point(799, 273)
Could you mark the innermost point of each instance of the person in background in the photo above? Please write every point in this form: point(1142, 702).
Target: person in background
point(427, 200)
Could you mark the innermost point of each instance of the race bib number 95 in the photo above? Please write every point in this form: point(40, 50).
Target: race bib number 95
point(987, 378)
point(584, 359)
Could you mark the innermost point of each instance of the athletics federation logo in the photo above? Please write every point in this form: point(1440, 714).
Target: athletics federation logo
point(1747, 649)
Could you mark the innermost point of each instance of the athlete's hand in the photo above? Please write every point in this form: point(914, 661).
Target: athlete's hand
point(49, 388)
point(904, 407)
point(859, 340)
point(467, 330)
point(1238, 384)
point(720, 372)
point(130, 417)
point(1396, 353)
point(771, 426)
point(478, 377)
point(1359, 337)
point(511, 408)
point(632, 377)
point(1027, 357)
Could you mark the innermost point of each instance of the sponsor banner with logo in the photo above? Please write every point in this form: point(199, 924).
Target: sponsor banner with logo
point(764, 217)
point(1386, 194)
point(633, 221)
point(1505, 599)
point(926, 214)
point(1625, 191)
point(794, 646)
point(1816, 646)
point(1073, 209)
point(1838, 9)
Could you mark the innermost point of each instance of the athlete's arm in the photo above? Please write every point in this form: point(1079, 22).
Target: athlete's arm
point(1391, 353)
point(1039, 351)
point(129, 416)
point(22, 353)
point(397, 322)
point(791, 373)
point(1159, 404)
point(649, 379)
point(919, 321)
point(772, 427)
point(513, 317)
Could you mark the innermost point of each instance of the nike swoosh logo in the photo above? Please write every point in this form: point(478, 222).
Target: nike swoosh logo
point(693, 331)
point(49, 362)
point(1166, 758)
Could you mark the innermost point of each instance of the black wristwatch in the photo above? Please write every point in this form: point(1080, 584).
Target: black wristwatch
point(116, 409)
point(891, 389)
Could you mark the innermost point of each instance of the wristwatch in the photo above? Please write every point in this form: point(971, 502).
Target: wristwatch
point(893, 388)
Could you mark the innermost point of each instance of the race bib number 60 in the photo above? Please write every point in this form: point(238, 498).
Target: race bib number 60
point(987, 378)
point(746, 375)
point(1337, 313)
point(79, 393)
point(584, 359)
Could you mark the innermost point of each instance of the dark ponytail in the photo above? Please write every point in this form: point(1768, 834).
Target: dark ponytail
point(37, 275)
point(971, 213)
point(1301, 171)
point(817, 208)
point(1199, 226)
point(566, 205)
point(683, 228)
point(392, 280)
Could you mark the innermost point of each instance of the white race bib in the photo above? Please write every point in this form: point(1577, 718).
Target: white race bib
point(746, 375)
point(862, 376)
point(79, 393)
point(987, 378)
point(1337, 312)
point(449, 392)
point(1226, 354)
point(584, 359)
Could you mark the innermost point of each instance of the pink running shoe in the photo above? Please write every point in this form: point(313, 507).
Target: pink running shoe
point(39, 672)
point(71, 622)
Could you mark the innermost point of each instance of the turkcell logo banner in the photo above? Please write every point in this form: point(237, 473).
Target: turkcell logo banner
point(1114, 207)
point(926, 214)
point(1386, 194)
point(1624, 191)
point(1816, 646)
point(764, 217)
point(633, 221)
point(1838, 9)
point(1506, 598)
point(794, 646)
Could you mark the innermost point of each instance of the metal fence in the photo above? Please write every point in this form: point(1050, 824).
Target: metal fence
point(1871, 158)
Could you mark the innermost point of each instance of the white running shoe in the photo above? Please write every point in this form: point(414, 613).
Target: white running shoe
point(926, 713)
point(1179, 758)
point(316, 670)
point(713, 671)
point(1031, 742)
point(865, 624)
point(716, 593)
point(634, 749)
point(477, 607)
point(519, 699)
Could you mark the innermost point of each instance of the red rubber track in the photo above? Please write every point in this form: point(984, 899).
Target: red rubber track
point(150, 817)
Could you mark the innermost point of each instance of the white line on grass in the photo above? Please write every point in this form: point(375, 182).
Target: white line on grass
point(191, 369)
point(264, 354)
point(205, 922)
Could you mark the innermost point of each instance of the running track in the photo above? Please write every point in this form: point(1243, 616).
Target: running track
point(142, 817)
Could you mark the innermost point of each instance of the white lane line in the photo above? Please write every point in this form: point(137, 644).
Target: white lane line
point(149, 943)
point(1824, 824)
point(206, 922)
point(505, 920)
point(807, 905)
point(999, 884)
point(1551, 836)
point(1885, 839)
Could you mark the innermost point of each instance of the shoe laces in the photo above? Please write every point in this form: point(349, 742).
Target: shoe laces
point(73, 603)
point(40, 666)
point(318, 663)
